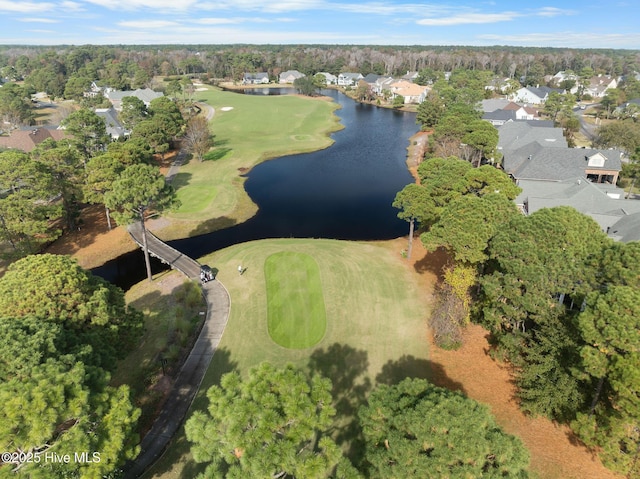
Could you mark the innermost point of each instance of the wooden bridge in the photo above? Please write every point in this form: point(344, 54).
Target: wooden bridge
point(189, 378)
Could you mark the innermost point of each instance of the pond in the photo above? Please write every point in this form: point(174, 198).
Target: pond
point(342, 192)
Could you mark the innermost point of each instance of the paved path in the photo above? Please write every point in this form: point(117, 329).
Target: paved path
point(193, 370)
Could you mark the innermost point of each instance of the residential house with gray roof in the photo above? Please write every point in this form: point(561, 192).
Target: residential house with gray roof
point(258, 78)
point(606, 204)
point(145, 94)
point(114, 128)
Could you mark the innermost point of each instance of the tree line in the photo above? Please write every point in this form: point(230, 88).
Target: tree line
point(560, 299)
point(279, 422)
point(68, 70)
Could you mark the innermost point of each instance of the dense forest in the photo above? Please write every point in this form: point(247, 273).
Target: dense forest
point(52, 68)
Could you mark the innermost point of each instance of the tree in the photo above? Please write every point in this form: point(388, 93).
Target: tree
point(541, 268)
point(133, 111)
point(272, 424)
point(467, 224)
point(89, 132)
point(611, 359)
point(398, 101)
point(305, 86)
point(197, 138)
point(52, 400)
point(55, 288)
point(415, 429)
point(480, 142)
point(102, 172)
point(430, 111)
point(64, 166)
point(154, 133)
point(15, 108)
point(25, 208)
point(140, 190)
point(413, 204)
point(623, 134)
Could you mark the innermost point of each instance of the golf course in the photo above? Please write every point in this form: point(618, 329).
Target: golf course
point(247, 130)
point(358, 321)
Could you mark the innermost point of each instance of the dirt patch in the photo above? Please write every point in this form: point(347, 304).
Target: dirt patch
point(93, 243)
point(418, 144)
point(555, 451)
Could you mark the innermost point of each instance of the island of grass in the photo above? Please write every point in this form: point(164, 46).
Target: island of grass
point(295, 303)
point(247, 129)
point(375, 328)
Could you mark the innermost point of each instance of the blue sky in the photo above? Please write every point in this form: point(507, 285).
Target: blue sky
point(558, 23)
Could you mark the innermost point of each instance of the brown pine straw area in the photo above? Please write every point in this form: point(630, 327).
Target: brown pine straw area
point(556, 453)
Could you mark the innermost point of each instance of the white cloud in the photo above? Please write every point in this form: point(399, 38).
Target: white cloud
point(38, 20)
point(553, 12)
point(25, 7)
point(469, 18)
point(146, 24)
point(216, 21)
point(69, 6)
point(155, 5)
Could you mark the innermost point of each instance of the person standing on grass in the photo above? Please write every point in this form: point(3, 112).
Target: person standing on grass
point(240, 270)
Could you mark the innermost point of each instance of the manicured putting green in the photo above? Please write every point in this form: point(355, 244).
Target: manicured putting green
point(296, 315)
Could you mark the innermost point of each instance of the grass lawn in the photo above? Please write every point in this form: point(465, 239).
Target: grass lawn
point(375, 329)
point(254, 129)
point(295, 304)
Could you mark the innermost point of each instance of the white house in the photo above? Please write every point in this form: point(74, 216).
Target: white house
point(531, 95)
point(349, 79)
point(329, 78)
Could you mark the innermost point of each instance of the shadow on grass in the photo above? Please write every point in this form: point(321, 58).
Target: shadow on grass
point(181, 179)
point(213, 224)
point(217, 153)
point(346, 368)
point(394, 372)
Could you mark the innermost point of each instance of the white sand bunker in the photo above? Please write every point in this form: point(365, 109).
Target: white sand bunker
point(201, 89)
point(226, 108)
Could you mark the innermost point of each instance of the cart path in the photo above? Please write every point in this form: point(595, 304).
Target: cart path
point(190, 377)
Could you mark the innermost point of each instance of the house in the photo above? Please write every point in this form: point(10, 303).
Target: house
point(371, 78)
point(532, 95)
point(258, 78)
point(498, 84)
point(499, 117)
point(290, 76)
point(597, 86)
point(349, 79)
point(506, 111)
point(514, 135)
point(383, 84)
point(329, 78)
point(26, 139)
point(549, 160)
point(144, 94)
point(606, 204)
point(412, 92)
point(114, 128)
point(410, 76)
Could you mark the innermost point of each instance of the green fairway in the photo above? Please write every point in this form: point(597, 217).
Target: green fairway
point(376, 329)
point(295, 304)
point(247, 129)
